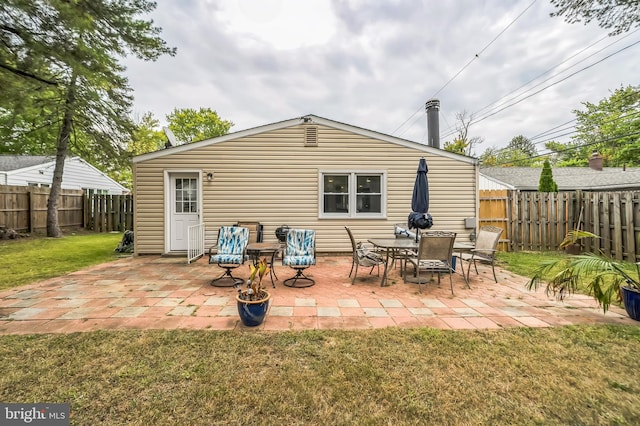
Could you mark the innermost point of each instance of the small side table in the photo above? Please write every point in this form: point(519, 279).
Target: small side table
point(257, 250)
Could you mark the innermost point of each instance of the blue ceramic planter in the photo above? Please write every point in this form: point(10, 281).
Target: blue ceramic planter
point(631, 301)
point(252, 313)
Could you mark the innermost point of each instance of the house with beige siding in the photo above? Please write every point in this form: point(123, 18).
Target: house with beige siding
point(307, 172)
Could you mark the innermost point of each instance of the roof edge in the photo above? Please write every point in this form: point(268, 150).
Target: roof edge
point(307, 119)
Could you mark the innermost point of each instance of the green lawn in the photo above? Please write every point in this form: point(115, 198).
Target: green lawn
point(555, 376)
point(520, 376)
point(32, 259)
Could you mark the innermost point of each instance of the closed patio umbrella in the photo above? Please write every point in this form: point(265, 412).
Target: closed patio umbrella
point(420, 217)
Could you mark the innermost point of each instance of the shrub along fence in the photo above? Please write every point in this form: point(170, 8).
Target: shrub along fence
point(24, 209)
point(540, 221)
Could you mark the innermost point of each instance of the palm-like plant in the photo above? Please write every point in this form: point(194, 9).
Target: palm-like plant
point(574, 236)
point(255, 290)
point(602, 276)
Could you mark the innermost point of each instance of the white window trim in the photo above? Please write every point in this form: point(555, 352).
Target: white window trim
point(352, 194)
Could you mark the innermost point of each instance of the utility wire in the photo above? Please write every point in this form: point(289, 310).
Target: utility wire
point(449, 132)
point(507, 148)
point(572, 148)
point(548, 71)
point(561, 72)
point(553, 128)
point(477, 55)
point(557, 82)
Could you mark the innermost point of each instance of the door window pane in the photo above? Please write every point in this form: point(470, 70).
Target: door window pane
point(186, 195)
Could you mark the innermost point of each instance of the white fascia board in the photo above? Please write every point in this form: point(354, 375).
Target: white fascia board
point(224, 138)
point(392, 139)
point(309, 119)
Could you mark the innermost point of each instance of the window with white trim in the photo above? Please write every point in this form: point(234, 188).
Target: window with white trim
point(352, 194)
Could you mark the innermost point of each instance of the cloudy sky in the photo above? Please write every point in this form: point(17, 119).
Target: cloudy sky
point(373, 64)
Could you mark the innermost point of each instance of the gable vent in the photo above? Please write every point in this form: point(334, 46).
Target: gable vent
point(311, 136)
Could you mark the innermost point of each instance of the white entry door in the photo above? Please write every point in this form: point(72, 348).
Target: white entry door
point(185, 209)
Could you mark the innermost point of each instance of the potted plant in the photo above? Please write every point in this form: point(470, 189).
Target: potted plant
point(604, 278)
point(253, 301)
point(572, 241)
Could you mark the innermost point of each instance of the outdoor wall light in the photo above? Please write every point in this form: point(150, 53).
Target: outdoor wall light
point(210, 176)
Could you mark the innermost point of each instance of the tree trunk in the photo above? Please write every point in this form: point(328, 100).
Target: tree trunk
point(53, 227)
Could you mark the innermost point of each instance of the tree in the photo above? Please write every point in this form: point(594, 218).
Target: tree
point(463, 144)
point(547, 184)
point(147, 137)
point(190, 125)
point(610, 127)
point(489, 157)
point(73, 48)
point(519, 152)
point(458, 146)
point(618, 15)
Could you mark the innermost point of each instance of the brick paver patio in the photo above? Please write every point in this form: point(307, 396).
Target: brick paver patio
point(152, 292)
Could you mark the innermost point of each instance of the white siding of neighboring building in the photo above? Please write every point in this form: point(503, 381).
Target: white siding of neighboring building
point(273, 178)
point(491, 184)
point(78, 174)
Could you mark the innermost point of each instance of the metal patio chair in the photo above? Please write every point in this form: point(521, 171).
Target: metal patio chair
point(299, 254)
point(363, 255)
point(434, 255)
point(231, 253)
point(485, 249)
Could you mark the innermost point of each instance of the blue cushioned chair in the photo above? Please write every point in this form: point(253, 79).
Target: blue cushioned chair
point(232, 247)
point(299, 254)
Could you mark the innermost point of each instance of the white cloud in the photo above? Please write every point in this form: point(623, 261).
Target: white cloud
point(374, 64)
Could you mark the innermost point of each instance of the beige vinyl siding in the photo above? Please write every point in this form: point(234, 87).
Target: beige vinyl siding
point(272, 178)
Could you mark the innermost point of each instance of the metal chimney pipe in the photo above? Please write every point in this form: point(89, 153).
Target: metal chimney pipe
point(432, 106)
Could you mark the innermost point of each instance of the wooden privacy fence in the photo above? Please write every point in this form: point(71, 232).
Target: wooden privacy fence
point(540, 221)
point(494, 211)
point(24, 209)
point(106, 213)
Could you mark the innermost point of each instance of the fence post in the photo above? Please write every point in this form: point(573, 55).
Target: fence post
point(32, 218)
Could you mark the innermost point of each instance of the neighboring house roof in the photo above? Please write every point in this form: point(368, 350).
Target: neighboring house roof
point(38, 169)
point(306, 119)
point(16, 162)
point(567, 178)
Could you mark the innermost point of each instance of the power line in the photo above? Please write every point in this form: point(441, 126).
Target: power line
point(477, 55)
point(557, 82)
point(572, 148)
point(561, 72)
point(405, 121)
point(612, 120)
point(449, 132)
point(553, 128)
point(557, 65)
point(618, 102)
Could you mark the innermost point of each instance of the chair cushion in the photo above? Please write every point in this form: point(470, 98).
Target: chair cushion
point(365, 255)
point(434, 265)
point(299, 260)
point(227, 259)
point(232, 240)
